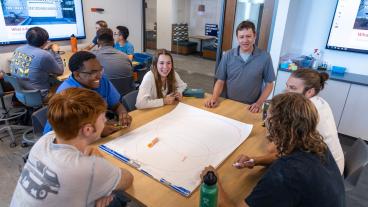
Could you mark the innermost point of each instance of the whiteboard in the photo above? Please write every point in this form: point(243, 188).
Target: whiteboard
point(189, 139)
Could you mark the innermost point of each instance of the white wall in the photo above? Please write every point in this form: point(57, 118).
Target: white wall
point(211, 15)
point(117, 12)
point(279, 30)
point(308, 26)
point(165, 19)
point(182, 15)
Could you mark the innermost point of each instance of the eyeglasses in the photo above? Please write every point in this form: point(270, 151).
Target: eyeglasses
point(94, 72)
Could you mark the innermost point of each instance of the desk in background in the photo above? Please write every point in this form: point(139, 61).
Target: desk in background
point(201, 38)
point(237, 183)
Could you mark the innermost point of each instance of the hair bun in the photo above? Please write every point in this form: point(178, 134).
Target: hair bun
point(324, 77)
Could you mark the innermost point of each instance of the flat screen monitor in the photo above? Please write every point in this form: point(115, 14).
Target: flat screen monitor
point(349, 29)
point(61, 19)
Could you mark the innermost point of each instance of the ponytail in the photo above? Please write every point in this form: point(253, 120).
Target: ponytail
point(324, 77)
point(311, 79)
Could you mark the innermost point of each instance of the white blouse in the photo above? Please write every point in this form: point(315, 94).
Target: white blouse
point(327, 128)
point(147, 95)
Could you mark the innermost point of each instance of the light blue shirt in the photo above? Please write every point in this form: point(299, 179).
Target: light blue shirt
point(106, 90)
point(245, 55)
point(127, 48)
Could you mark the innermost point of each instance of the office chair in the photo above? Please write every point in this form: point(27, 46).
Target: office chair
point(32, 100)
point(146, 60)
point(356, 159)
point(124, 85)
point(10, 115)
point(129, 100)
point(39, 119)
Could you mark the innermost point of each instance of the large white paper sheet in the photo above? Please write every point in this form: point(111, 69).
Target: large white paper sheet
point(189, 139)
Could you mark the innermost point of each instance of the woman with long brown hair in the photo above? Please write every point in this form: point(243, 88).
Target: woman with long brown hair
point(162, 85)
point(309, 83)
point(305, 173)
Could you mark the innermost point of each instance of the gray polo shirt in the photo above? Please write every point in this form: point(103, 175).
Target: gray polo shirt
point(245, 80)
point(116, 63)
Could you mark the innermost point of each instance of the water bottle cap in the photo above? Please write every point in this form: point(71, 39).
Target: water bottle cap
point(210, 178)
point(72, 35)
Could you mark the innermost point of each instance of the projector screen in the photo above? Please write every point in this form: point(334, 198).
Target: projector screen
point(349, 29)
point(61, 19)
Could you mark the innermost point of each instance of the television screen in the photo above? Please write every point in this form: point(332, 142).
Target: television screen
point(349, 29)
point(61, 19)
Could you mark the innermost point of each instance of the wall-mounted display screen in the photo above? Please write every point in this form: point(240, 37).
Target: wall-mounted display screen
point(349, 29)
point(61, 19)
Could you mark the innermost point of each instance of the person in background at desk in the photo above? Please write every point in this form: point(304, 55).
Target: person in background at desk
point(87, 72)
point(99, 24)
point(305, 172)
point(122, 43)
point(35, 62)
point(116, 64)
point(309, 83)
point(162, 85)
point(62, 170)
point(244, 70)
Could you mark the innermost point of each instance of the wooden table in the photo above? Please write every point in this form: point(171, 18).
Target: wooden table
point(237, 183)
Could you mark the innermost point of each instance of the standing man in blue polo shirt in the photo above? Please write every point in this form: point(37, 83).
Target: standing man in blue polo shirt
point(87, 72)
point(246, 70)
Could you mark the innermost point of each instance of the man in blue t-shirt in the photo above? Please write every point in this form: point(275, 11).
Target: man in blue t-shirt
point(123, 44)
point(35, 63)
point(87, 72)
point(305, 173)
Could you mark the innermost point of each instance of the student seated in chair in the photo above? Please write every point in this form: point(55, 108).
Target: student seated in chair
point(99, 24)
point(116, 63)
point(62, 170)
point(162, 85)
point(36, 63)
point(305, 172)
point(87, 72)
point(309, 83)
point(122, 42)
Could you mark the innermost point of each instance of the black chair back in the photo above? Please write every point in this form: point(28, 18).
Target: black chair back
point(129, 100)
point(355, 161)
point(124, 85)
point(39, 119)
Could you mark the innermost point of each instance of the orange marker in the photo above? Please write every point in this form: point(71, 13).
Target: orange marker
point(153, 142)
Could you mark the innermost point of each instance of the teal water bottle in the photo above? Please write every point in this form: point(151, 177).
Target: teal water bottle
point(209, 191)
